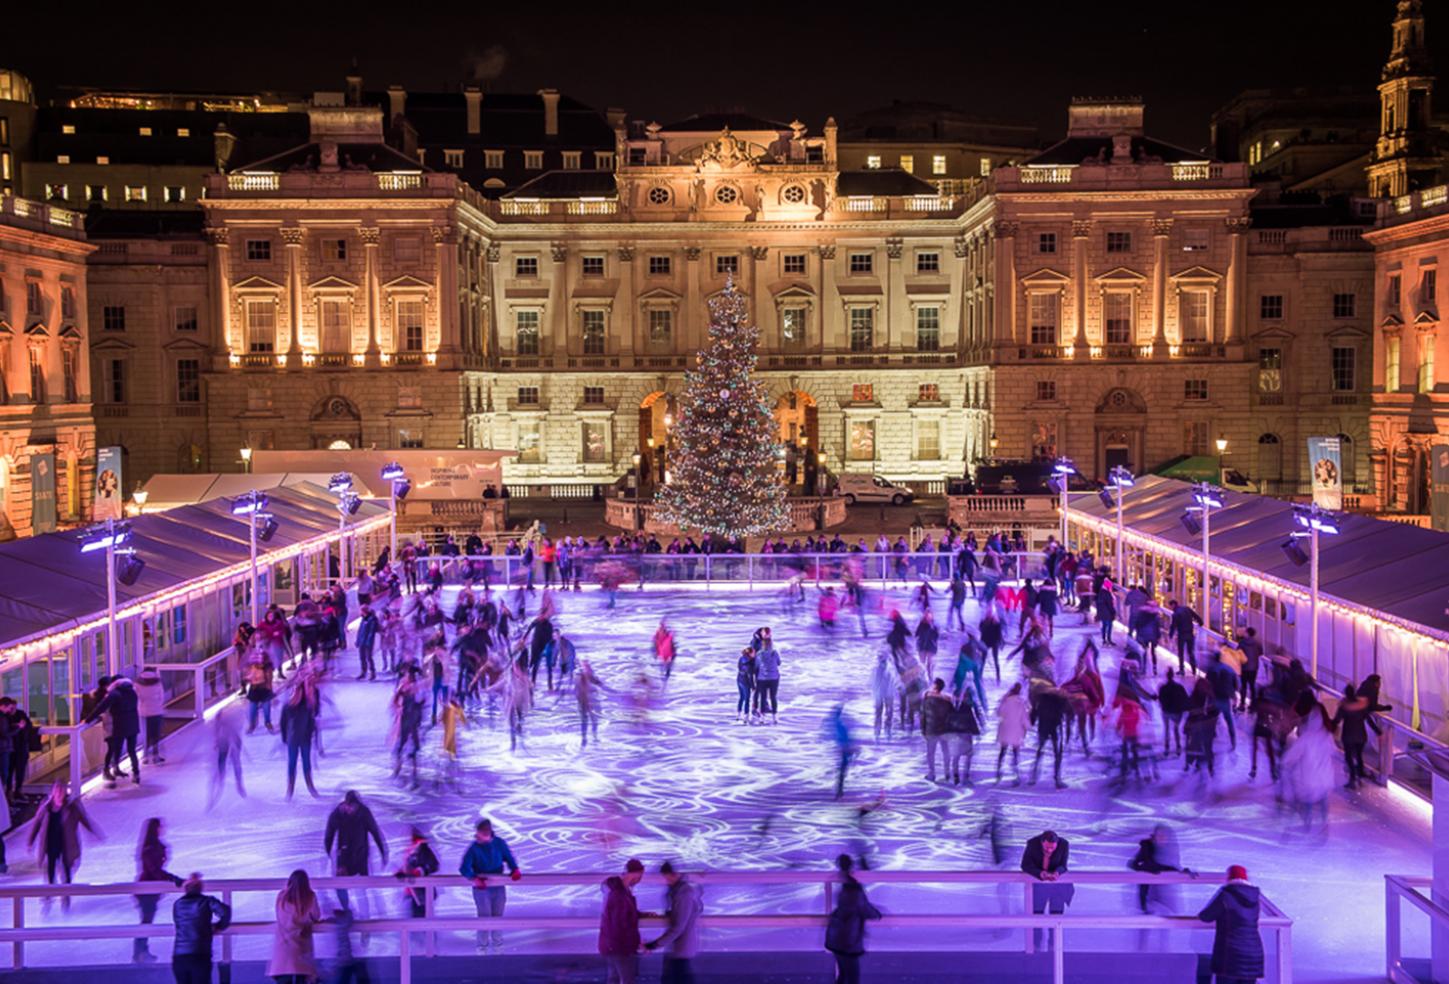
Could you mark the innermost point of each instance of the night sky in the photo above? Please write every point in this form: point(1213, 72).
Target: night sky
point(1011, 61)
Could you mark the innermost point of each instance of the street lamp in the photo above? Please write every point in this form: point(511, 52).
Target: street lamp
point(246, 457)
point(1222, 445)
point(1312, 519)
point(1198, 519)
point(1120, 478)
point(398, 489)
point(994, 442)
point(112, 537)
point(253, 505)
point(1062, 472)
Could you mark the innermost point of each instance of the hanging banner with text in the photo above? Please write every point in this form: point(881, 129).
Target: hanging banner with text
point(1439, 491)
point(108, 484)
point(42, 492)
point(1325, 464)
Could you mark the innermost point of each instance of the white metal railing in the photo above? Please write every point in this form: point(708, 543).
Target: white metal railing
point(1047, 175)
point(254, 181)
point(1196, 171)
point(1397, 890)
point(399, 180)
point(608, 206)
point(1273, 921)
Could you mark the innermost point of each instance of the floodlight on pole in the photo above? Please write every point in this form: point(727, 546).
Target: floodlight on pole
point(1206, 498)
point(253, 506)
point(1064, 469)
point(398, 487)
point(1313, 521)
point(112, 537)
point(1120, 478)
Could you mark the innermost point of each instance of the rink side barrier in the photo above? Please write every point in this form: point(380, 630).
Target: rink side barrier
point(1273, 920)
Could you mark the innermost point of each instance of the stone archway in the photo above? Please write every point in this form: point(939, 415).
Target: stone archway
point(656, 419)
point(798, 419)
point(336, 421)
point(1121, 428)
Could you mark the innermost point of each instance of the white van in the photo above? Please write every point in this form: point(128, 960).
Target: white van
point(862, 487)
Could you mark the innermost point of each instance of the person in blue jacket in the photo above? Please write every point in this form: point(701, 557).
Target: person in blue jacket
point(487, 856)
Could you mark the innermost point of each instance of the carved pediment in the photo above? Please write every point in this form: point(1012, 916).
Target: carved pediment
point(1426, 318)
point(333, 284)
point(787, 290)
point(660, 294)
point(70, 333)
point(407, 282)
point(111, 344)
point(1046, 277)
point(37, 330)
point(1121, 275)
point(255, 283)
point(5, 328)
point(183, 344)
point(1392, 321)
point(1196, 274)
point(727, 153)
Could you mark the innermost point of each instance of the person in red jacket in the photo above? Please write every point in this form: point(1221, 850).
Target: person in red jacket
point(619, 925)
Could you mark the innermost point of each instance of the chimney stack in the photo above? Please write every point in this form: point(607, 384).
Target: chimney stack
point(473, 97)
point(550, 111)
point(354, 86)
point(397, 98)
point(223, 143)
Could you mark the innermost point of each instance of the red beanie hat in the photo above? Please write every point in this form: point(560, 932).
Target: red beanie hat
point(1237, 873)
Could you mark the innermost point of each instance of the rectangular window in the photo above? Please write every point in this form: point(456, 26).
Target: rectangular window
point(985, 168)
point(183, 131)
point(69, 366)
point(862, 440)
point(792, 327)
point(336, 333)
point(67, 302)
point(334, 250)
point(928, 440)
point(591, 327)
point(530, 442)
point(659, 266)
point(1426, 364)
point(1270, 307)
point(1343, 365)
point(528, 396)
point(174, 193)
point(1392, 366)
point(1392, 294)
point(1117, 318)
point(259, 250)
point(186, 318)
point(572, 160)
point(188, 380)
point(60, 191)
point(525, 266)
point(525, 327)
point(113, 317)
point(1195, 437)
point(145, 131)
point(410, 325)
point(409, 438)
point(1193, 309)
point(66, 128)
point(603, 160)
point(59, 159)
point(1428, 286)
point(928, 329)
point(908, 162)
point(1270, 370)
point(115, 380)
point(1119, 242)
point(593, 438)
point(452, 158)
point(1043, 314)
point(862, 329)
point(928, 263)
point(1046, 390)
point(34, 299)
point(261, 326)
point(1194, 389)
point(862, 393)
point(594, 395)
point(1344, 304)
point(1046, 242)
point(872, 161)
point(135, 193)
point(533, 160)
point(794, 262)
point(928, 393)
point(938, 163)
point(37, 374)
point(726, 264)
point(97, 193)
point(661, 327)
point(493, 160)
point(862, 262)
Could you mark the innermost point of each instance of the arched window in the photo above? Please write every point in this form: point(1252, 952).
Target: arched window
point(1346, 461)
point(1270, 458)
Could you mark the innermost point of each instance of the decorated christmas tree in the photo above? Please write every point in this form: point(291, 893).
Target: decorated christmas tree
point(723, 473)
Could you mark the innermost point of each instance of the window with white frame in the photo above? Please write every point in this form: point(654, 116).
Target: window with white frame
point(1042, 316)
point(659, 266)
point(726, 264)
point(1117, 317)
point(525, 266)
point(862, 329)
point(1344, 305)
point(1392, 363)
point(1391, 293)
point(336, 332)
point(115, 380)
point(928, 262)
point(593, 264)
point(1270, 370)
point(928, 439)
point(97, 193)
point(792, 326)
point(591, 330)
point(525, 331)
point(862, 262)
point(1195, 389)
point(603, 160)
point(493, 160)
point(409, 437)
point(1426, 363)
point(410, 324)
point(1429, 287)
point(938, 163)
point(60, 191)
point(34, 298)
point(1193, 310)
point(661, 328)
point(594, 439)
point(985, 168)
point(572, 160)
point(533, 160)
point(1343, 367)
point(862, 393)
point(928, 329)
point(70, 372)
point(452, 157)
point(928, 393)
point(261, 320)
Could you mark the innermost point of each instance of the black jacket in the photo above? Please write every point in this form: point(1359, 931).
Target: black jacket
point(350, 828)
point(120, 701)
point(845, 933)
point(1237, 947)
point(197, 917)
point(1031, 858)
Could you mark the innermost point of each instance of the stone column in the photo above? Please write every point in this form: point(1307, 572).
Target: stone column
point(832, 315)
point(560, 289)
point(1237, 273)
point(372, 292)
point(294, 237)
point(1161, 230)
point(623, 314)
point(493, 277)
point(897, 310)
point(1081, 231)
point(221, 297)
point(1005, 327)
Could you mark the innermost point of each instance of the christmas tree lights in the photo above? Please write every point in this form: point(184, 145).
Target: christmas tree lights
point(723, 476)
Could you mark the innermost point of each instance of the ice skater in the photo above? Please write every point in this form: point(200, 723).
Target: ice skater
point(226, 743)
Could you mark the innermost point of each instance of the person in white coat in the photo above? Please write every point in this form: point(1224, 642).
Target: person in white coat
point(1012, 721)
point(151, 706)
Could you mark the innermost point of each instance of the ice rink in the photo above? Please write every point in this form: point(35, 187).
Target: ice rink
point(678, 778)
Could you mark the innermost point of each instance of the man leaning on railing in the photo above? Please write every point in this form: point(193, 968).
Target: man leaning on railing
point(197, 917)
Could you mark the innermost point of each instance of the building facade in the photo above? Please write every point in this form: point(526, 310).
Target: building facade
point(47, 435)
point(940, 144)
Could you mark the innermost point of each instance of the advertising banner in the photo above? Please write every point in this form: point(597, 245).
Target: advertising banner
point(1439, 498)
point(1325, 464)
point(108, 484)
point(42, 492)
point(461, 474)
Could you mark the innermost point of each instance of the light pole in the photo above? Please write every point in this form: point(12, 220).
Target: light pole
point(637, 481)
point(112, 537)
point(348, 503)
point(1122, 480)
point(246, 457)
point(1312, 519)
point(995, 443)
point(139, 498)
point(253, 505)
point(1206, 498)
point(1222, 446)
point(1063, 471)
point(398, 489)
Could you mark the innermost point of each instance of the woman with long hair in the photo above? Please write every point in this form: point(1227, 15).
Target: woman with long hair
point(294, 960)
point(55, 832)
point(151, 856)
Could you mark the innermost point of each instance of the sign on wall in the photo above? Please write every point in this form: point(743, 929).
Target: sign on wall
point(42, 492)
point(108, 484)
point(1325, 464)
point(1439, 491)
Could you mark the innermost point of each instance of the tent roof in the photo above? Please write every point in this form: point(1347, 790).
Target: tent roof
point(169, 491)
point(1393, 568)
point(48, 585)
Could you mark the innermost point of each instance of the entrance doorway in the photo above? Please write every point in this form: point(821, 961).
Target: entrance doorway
point(798, 421)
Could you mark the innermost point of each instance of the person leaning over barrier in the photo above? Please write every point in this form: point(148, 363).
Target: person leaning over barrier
point(1237, 945)
point(197, 917)
point(486, 856)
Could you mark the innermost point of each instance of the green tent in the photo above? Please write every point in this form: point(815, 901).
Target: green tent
point(1191, 468)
